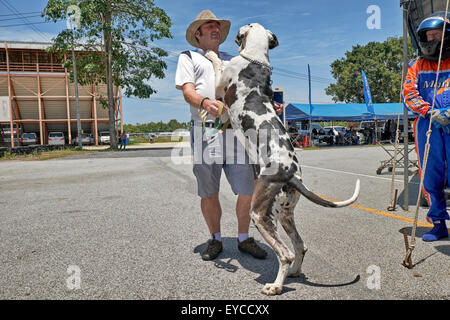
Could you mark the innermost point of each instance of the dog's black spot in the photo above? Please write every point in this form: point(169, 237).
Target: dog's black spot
point(230, 95)
point(247, 122)
point(255, 102)
point(255, 76)
point(258, 77)
point(295, 159)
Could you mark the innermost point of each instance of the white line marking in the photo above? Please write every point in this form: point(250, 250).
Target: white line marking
point(356, 174)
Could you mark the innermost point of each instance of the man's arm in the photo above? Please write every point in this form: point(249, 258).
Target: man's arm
point(194, 99)
point(413, 100)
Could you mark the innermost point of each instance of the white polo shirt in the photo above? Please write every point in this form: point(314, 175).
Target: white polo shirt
point(194, 68)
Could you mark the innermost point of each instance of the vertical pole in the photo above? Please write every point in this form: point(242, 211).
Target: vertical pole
point(69, 129)
point(10, 99)
point(41, 133)
point(95, 117)
point(405, 113)
point(121, 111)
point(77, 103)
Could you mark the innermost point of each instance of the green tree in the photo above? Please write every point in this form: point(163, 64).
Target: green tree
point(114, 39)
point(382, 63)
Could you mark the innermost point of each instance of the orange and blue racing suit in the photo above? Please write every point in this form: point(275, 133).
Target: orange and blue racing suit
point(418, 93)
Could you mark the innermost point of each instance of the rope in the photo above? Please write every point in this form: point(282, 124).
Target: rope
point(427, 146)
point(397, 132)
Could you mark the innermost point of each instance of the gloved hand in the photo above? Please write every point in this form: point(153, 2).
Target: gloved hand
point(441, 118)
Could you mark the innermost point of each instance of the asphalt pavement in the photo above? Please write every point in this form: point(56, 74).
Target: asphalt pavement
point(127, 225)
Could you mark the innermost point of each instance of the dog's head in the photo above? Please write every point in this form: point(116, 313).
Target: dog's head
point(243, 33)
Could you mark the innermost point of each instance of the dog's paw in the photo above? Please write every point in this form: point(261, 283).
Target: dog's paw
point(211, 55)
point(271, 289)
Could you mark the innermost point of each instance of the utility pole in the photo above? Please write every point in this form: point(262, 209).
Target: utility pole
point(404, 4)
point(75, 80)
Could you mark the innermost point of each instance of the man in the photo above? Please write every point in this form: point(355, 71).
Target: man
point(419, 92)
point(195, 77)
point(123, 140)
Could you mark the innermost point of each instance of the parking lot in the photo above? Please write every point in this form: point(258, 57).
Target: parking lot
point(127, 225)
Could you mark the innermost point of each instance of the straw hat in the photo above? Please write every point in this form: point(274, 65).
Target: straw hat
point(202, 18)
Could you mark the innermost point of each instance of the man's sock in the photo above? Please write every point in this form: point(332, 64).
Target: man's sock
point(242, 236)
point(217, 236)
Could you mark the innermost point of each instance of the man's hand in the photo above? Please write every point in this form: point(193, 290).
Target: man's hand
point(441, 118)
point(212, 107)
point(278, 107)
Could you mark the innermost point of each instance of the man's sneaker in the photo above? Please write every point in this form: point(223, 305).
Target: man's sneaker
point(439, 231)
point(212, 250)
point(250, 246)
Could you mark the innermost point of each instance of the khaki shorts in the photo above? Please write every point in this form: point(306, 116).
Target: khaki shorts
point(213, 152)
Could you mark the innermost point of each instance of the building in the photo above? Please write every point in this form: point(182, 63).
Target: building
point(36, 95)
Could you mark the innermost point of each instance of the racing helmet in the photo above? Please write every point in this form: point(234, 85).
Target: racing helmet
point(430, 49)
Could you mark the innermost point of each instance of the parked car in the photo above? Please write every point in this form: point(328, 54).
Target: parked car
point(86, 139)
point(29, 139)
point(56, 138)
point(6, 135)
point(317, 132)
point(104, 137)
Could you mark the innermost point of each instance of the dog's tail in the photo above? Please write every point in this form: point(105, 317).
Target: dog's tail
point(298, 184)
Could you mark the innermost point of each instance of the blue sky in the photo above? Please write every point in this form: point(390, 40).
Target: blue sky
point(309, 32)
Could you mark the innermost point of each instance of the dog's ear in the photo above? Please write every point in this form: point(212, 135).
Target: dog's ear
point(273, 41)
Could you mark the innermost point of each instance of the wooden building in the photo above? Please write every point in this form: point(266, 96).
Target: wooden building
point(39, 97)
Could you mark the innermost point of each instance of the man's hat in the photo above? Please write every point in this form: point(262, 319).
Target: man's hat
point(202, 18)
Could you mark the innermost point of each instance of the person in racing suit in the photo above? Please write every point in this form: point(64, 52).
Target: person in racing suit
point(419, 92)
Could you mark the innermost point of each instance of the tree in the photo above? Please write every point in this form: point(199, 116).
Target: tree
point(382, 63)
point(113, 43)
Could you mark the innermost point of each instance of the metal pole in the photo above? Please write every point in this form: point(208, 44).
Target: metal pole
point(405, 114)
point(75, 81)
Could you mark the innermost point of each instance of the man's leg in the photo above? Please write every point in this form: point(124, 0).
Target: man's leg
point(212, 212)
point(434, 180)
point(243, 206)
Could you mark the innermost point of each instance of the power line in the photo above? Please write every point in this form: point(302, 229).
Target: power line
point(14, 10)
point(24, 24)
point(15, 18)
point(20, 13)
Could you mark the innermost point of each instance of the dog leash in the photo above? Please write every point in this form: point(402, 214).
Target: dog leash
point(219, 126)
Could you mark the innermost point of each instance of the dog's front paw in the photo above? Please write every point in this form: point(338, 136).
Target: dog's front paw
point(211, 55)
point(271, 289)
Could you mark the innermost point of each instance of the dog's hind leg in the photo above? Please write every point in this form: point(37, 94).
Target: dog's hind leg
point(264, 215)
point(287, 221)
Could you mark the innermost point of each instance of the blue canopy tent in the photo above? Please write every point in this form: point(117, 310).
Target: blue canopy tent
point(343, 112)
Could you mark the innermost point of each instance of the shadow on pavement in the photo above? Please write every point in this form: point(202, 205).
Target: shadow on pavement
point(266, 268)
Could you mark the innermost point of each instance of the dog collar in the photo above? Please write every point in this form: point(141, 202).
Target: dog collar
point(257, 62)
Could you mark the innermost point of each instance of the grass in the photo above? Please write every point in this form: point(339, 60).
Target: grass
point(138, 140)
point(46, 155)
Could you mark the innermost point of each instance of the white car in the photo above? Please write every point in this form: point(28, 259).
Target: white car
point(56, 138)
point(85, 139)
point(104, 137)
point(29, 139)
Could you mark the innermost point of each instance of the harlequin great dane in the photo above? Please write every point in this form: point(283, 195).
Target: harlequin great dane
point(244, 85)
